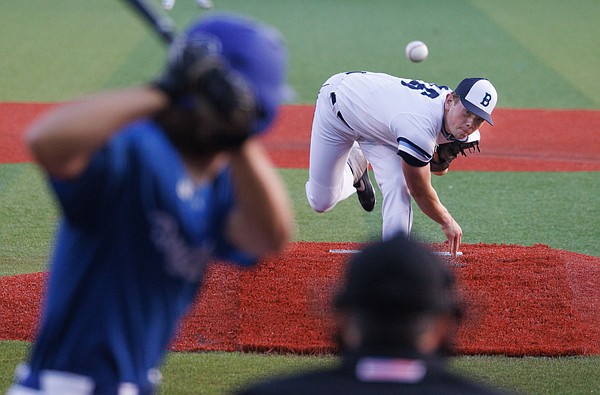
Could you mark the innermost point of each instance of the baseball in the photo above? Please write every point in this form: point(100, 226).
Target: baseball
point(416, 51)
point(205, 4)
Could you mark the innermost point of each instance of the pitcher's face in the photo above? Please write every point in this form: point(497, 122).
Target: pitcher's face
point(459, 121)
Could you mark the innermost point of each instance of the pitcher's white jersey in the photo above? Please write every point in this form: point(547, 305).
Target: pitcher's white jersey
point(390, 110)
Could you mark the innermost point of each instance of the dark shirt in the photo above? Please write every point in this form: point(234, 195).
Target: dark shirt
point(375, 376)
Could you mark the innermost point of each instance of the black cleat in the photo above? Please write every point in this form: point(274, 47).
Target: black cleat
point(364, 188)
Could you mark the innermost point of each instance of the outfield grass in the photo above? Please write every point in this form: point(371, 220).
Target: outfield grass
point(28, 218)
point(532, 50)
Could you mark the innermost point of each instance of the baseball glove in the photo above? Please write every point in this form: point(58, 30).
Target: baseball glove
point(446, 153)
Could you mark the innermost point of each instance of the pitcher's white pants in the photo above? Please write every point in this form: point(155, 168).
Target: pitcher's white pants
point(330, 179)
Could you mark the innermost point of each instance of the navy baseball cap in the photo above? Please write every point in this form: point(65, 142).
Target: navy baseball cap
point(257, 52)
point(396, 278)
point(479, 96)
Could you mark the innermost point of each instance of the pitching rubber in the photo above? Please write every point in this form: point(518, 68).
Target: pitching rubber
point(446, 253)
point(440, 253)
point(344, 251)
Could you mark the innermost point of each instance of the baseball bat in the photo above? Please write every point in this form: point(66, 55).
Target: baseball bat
point(160, 23)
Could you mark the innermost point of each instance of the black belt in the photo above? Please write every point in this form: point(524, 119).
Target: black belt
point(339, 114)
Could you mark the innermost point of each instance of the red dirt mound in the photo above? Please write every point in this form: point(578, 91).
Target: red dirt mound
point(14, 118)
point(521, 301)
point(522, 140)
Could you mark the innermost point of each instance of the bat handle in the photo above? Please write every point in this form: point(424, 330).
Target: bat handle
point(165, 29)
point(162, 24)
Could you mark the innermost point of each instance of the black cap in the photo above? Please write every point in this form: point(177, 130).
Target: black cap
point(395, 278)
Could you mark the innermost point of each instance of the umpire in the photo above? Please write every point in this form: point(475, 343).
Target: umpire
point(396, 319)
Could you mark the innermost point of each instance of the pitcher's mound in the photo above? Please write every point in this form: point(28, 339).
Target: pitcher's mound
point(521, 301)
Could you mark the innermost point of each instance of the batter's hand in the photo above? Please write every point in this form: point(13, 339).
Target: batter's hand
point(453, 233)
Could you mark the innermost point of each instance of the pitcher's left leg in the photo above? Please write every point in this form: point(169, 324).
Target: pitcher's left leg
point(396, 207)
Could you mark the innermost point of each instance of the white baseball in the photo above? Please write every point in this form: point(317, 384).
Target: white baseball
point(205, 4)
point(168, 4)
point(416, 51)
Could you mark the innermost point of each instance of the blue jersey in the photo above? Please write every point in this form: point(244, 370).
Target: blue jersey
point(132, 246)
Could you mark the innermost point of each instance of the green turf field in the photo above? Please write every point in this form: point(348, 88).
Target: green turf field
point(538, 54)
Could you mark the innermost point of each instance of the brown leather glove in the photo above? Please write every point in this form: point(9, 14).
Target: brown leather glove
point(447, 152)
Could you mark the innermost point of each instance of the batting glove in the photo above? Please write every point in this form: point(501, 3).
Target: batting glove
point(177, 79)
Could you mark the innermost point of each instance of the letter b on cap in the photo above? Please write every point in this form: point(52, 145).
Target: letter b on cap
point(483, 95)
point(486, 99)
